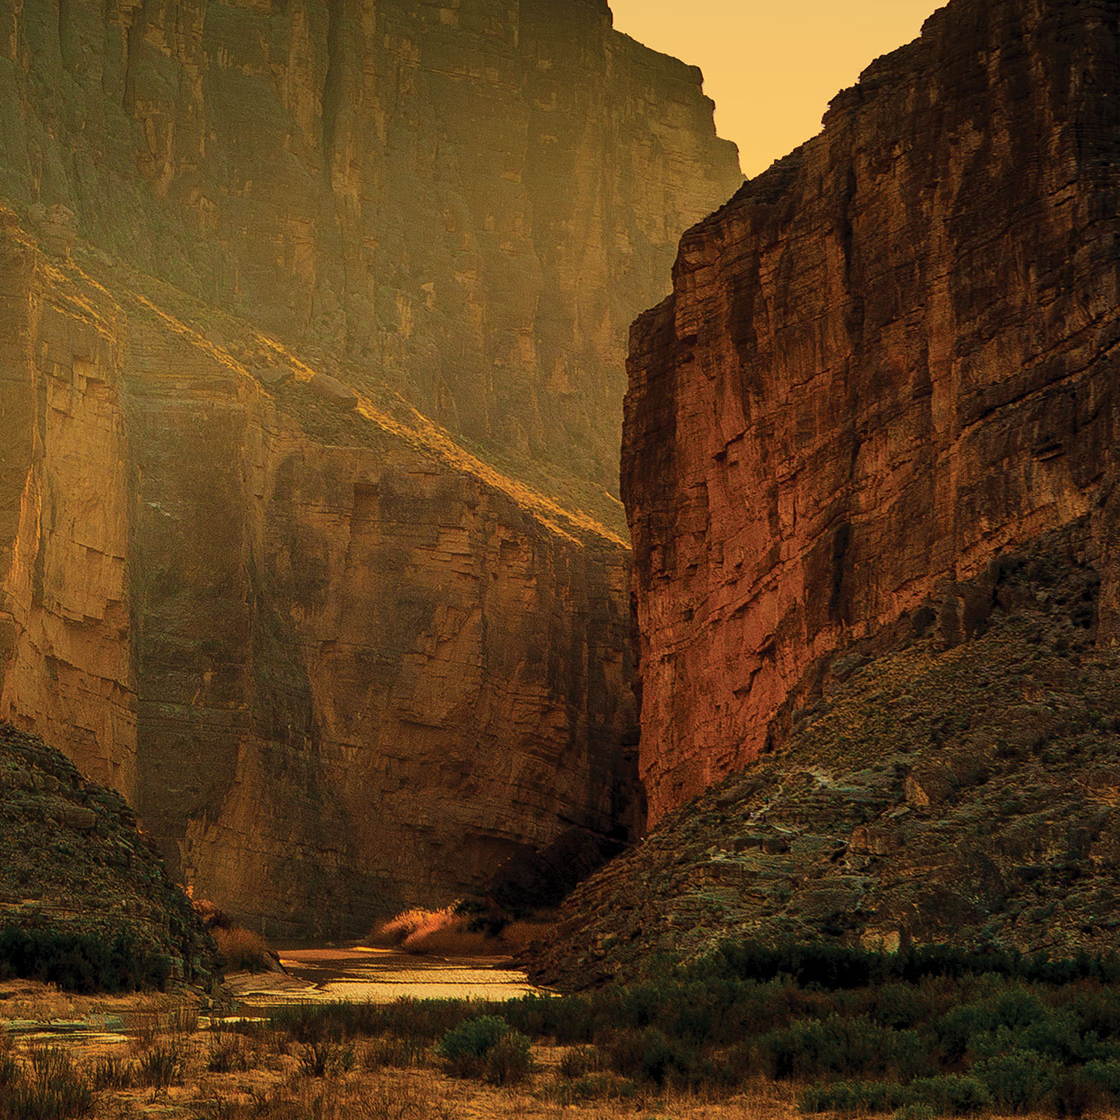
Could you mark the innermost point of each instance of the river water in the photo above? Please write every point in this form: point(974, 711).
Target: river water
point(362, 973)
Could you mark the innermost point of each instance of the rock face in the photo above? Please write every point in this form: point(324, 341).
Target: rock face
point(256, 253)
point(960, 795)
point(338, 664)
point(467, 202)
point(887, 359)
point(73, 863)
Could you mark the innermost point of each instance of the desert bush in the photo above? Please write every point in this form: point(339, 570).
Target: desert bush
point(392, 1052)
point(602, 1085)
point(810, 1048)
point(467, 1046)
point(917, 1112)
point(579, 1061)
point(326, 1059)
point(1018, 1081)
point(51, 1089)
point(509, 1061)
point(88, 962)
point(242, 950)
point(1075, 1093)
point(652, 1056)
point(230, 1053)
point(435, 931)
point(161, 1067)
point(950, 1094)
point(110, 1072)
point(845, 1096)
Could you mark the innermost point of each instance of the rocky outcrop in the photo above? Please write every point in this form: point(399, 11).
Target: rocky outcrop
point(338, 664)
point(966, 796)
point(469, 203)
point(77, 879)
point(888, 359)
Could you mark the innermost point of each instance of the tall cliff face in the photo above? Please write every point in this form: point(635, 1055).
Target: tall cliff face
point(338, 664)
point(465, 203)
point(270, 268)
point(889, 358)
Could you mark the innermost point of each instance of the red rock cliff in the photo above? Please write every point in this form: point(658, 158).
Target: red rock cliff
point(338, 662)
point(887, 359)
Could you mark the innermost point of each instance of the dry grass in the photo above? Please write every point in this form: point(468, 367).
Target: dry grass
point(243, 950)
point(441, 932)
point(446, 933)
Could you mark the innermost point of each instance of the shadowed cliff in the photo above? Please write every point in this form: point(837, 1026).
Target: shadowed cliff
point(311, 356)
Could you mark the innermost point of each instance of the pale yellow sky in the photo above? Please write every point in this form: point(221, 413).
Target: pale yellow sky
point(772, 66)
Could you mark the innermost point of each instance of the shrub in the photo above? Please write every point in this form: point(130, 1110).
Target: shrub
point(840, 1046)
point(651, 1055)
point(860, 1096)
point(229, 1053)
point(594, 1086)
point(951, 1094)
point(1018, 1081)
point(468, 1045)
point(509, 1060)
point(243, 950)
point(52, 1090)
point(109, 1072)
point(394, 1053)
point(325, 1059)
point(1075, 1094)
point(917, 1112)
point(161, 1067)
point(1106, 1074)
point(580, 1061)
point(110, 961)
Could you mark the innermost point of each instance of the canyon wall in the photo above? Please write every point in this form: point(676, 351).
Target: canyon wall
point(311, 355)
point(885, 361)
point(339, 665)
point(466, 203)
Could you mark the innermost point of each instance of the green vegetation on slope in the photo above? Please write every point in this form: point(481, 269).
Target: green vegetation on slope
point(85, 902)
point(965, 794)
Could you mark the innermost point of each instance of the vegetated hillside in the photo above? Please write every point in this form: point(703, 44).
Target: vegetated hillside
point(960, 787)
point(888, 359)
point(84, 897)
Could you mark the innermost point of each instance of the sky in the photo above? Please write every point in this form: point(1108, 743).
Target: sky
point(772, 66)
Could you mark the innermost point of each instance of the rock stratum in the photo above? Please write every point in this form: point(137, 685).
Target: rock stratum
point(933, 793)
point(311, 347)
point(888, 359)
point(465, 202)
point(337, 664)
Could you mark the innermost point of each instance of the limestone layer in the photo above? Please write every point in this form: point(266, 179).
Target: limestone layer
point(338, 664)
point(467, 201)
point(887, 359)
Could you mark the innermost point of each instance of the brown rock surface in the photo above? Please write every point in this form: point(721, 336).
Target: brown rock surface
point(889, 358)
point(338, 664)
point(467, 202)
